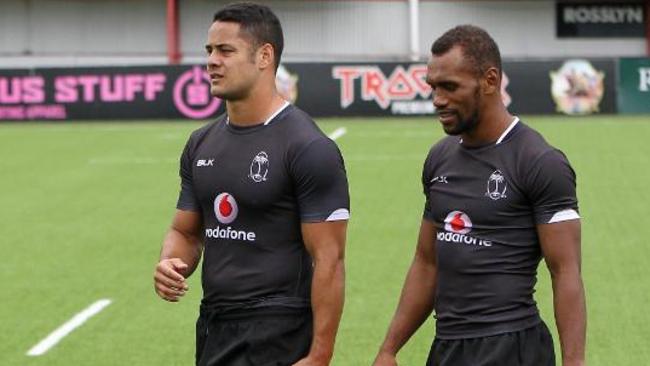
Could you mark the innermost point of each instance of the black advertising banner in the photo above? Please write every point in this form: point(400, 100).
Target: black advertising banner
point(573, 86)
point(107, 93)
point(600, 19)
point(369, 89)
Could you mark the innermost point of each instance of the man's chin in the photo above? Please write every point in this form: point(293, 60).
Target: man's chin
point(451, 130)
point(215, 92)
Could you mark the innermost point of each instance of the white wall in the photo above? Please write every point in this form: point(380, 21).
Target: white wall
point(99, 32)
point(64, 32)
point(317, 30)
point(523, 29)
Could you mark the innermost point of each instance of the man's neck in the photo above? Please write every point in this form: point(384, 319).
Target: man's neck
point(255, 109)
point(489, 128)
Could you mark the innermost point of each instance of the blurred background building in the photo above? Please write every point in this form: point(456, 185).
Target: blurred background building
point(112, 32)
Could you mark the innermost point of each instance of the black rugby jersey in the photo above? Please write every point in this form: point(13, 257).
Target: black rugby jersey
point(254, 186)
point(485, 203)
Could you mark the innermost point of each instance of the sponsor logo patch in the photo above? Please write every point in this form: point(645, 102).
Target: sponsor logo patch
point(225, 208)
point(458, 222)
point(205, 162)
point(226, 211)
point(457, 225)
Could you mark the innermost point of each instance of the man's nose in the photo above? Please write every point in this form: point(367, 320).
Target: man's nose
point(439, 100)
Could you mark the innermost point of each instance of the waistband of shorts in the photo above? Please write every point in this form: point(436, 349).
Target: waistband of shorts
point(488, 330)
point(247, 313)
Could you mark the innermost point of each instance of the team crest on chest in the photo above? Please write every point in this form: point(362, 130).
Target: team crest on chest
point(259, 167)
point(496, 186)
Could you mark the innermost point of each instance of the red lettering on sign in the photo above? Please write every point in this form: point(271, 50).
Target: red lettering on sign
point(373, 85)
point(347, 75)
point(402, 84)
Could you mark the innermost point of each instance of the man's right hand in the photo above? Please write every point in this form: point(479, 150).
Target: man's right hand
point(385, 359)
point(168, 279)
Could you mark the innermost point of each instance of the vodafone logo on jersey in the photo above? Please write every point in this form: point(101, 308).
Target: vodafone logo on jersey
point(458, 222)
point(457, 225)
point(225, 208)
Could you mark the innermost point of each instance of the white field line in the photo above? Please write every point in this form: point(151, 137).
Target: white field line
point(338, 133)
point(76, 321)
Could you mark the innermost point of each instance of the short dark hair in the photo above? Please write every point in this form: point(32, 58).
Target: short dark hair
point(475, 43)
point(258, 21)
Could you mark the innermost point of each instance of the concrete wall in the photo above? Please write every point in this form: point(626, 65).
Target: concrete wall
point(101, 32)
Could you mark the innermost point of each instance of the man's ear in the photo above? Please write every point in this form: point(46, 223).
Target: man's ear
point(266, 56)
point(491, 81)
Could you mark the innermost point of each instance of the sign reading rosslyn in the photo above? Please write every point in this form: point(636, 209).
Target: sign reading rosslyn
point(600, 20)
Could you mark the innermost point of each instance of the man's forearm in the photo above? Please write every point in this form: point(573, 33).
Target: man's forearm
point(415, 305)
point(570, 316)
point(327, 297)
point(186, 247)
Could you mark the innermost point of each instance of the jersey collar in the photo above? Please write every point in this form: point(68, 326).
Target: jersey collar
point(504, 134)
point(507, 131)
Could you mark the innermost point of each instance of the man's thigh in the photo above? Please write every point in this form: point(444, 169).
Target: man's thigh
point(528, 347)
point(260, 340)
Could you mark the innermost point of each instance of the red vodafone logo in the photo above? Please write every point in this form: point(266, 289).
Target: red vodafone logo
point(458, 222)
point(225, 208)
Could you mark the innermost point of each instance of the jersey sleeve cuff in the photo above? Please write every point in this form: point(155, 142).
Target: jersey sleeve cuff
point(339, 214)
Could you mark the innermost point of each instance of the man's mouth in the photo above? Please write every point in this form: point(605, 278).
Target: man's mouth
point(446, 117)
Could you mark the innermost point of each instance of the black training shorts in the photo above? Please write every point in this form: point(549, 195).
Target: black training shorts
point(253, 338)
point(528, 347)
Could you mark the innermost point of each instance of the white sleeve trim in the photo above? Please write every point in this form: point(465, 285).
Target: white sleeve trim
point(339, 214)
point(564, 215)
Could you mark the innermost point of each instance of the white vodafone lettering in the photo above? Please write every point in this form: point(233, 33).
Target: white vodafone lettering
point(462, 239)
point(229, 233)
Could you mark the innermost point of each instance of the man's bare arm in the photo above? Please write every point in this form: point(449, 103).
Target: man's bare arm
point(326, 243)
point(416, 301)
point(561, 248)
point(180, 254)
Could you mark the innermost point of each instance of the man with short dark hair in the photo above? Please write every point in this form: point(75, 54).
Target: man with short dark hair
point(498, 199)
point(264, 199)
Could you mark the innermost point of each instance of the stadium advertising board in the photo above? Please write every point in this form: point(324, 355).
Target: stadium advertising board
point(577, 86)
point(321, 89)
point(634, 85)
point(370, 89)
point(572, 86)
point(107, 93)
point(600, 19)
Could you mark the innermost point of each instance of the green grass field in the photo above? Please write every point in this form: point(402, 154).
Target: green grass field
point(85, 206)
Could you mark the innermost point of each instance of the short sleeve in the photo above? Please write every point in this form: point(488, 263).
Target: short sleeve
point(426, 187)
point(552, 187)
point(321, 183)
point(187, 200)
